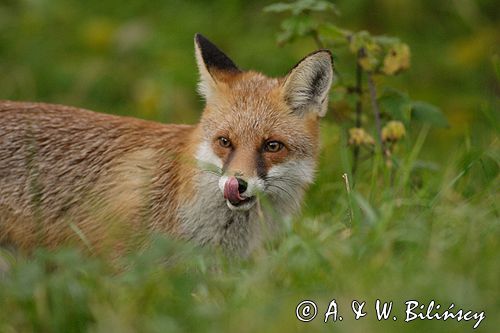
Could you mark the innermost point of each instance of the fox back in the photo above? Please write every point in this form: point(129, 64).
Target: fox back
point(73, 175)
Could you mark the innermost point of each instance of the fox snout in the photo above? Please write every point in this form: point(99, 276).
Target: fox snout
point(233, 188)
point(239, 192)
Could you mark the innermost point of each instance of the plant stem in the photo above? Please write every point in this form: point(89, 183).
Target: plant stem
point(359, 110)
point(349, 199)
point(359, 92)
point(376, 111)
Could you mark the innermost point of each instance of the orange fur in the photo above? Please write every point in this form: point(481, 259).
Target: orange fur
point(63, 168)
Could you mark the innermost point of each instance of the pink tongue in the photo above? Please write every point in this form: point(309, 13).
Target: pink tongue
point(231, 190)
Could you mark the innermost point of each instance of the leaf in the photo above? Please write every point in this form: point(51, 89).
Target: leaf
point(428, 113)
point(370, 213)
point(425, 165)
point(386, 40)
point(300, 6)
point(469, 158)
point(396, 104)
point(284, 37)
point(278, 7)
point(319, 6)
point(295, 26)
point(358, 41)
point(334, 33)
point(490, 167)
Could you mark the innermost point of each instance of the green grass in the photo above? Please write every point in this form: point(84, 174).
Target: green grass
point(432, 235)
point(427, 230)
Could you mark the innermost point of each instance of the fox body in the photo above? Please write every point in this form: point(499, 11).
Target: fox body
point(72, 174)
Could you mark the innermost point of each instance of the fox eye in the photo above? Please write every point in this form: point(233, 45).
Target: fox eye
point(224, 142)
point(273, 146)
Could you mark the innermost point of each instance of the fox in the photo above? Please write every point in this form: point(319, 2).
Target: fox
point(73, 175)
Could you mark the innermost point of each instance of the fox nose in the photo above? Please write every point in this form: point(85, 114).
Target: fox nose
point(242, 185)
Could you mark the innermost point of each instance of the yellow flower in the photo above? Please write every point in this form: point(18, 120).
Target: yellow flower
point(397, 59)
point(393, 131)
point(358, 137)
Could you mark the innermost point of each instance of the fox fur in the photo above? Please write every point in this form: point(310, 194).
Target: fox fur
point(73, 175)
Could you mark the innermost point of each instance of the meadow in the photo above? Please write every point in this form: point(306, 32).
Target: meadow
point(422, 226)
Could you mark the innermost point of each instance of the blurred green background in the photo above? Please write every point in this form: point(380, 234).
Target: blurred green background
point(136, 57)
point(436, 236)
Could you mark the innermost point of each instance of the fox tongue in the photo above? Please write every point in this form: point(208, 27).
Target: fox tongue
point(231, 192)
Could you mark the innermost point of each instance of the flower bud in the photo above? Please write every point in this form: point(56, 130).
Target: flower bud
point(358, 137)
point(393, 131)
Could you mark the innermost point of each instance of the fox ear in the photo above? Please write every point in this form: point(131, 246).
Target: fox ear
point(213, 65)
point(307, 85)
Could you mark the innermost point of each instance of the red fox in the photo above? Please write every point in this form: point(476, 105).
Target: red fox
point(73, 174)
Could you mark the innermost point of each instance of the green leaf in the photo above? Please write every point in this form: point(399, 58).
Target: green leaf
point(300, 6)
point(334, 33)
point(490, 167)
point(295, 26)
point(425, 165)
point(484, 167)
point(396, 104)
point(359, 40)
point(284, 37)
point(319, 6)
point(369, 212)
point(428, 113)
point(278, 7)
point(469, 158)
point(386, 40)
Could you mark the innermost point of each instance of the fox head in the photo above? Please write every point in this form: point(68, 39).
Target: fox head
point(260, 135)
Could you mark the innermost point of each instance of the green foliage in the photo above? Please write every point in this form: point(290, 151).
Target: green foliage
point(428, 113)
point(301, 7)
point(299, 24)
point(396, 103)
point(374, 55)
point(433, 237)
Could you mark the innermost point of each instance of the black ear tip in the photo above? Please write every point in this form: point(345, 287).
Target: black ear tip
point(326, 56)
point(212, 56)
point(325, 52)
point(199, 38)
point(203, 42)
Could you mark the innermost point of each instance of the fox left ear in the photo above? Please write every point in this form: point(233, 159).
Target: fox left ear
point(307, 85)
point(213, 64)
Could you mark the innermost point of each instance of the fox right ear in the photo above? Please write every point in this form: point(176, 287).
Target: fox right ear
point(213, 64)
point(307, 85)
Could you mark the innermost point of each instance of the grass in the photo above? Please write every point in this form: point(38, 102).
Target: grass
point(427, 230)
point(432, 235)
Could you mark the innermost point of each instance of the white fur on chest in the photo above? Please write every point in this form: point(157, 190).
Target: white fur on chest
point(207, 220)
